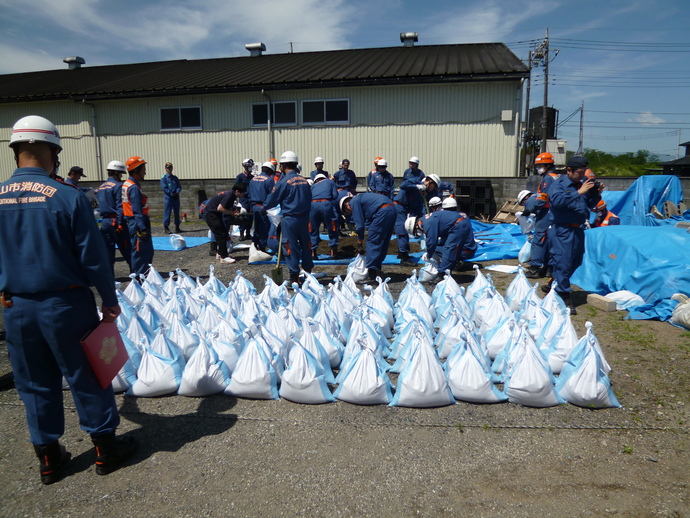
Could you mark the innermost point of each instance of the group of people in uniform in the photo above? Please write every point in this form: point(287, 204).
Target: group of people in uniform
point(562, 206)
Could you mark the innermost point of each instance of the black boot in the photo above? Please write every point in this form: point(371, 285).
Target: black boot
point(52, 456)
point(294, 278)
point(314, 254)
point(533, 272)
point(547, 287)
point(178, 229)
point(568, 301)
point(112, 451)
point(214, 249)
point(405, 259)
point(167, 229)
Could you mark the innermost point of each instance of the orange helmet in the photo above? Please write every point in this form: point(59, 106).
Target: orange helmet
point(543, 158)
point(133, 162)
point(376, 160)
point(273, 161)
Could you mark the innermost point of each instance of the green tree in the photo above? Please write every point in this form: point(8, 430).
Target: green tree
point(624, 164)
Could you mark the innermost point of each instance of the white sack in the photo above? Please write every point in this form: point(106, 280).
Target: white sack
point(253, 377)
point(364, 382)
point(303, 380)
point(204, 374)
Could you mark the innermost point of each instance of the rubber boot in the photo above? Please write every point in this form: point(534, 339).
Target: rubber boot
point(52, 456)
point(167, 229)
point(112, 451)
point(568, 301)
point(405, 259)
point(334, 251)
point(294, 278)
point(178, 229)
point(314, 254)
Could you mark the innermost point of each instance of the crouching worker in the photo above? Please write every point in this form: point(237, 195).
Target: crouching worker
point(377, 213)
point(448, 233)
point(604, 217)
point(221, 204)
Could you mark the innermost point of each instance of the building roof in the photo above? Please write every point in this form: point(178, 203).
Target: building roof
point(357, 67)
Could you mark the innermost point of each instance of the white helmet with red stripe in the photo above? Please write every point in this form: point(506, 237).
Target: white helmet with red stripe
point(34, 128)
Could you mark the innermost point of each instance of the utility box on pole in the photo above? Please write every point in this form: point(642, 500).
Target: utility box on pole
point(557, 147)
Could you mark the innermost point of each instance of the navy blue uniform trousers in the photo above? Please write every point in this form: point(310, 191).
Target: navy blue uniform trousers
point(43, 339)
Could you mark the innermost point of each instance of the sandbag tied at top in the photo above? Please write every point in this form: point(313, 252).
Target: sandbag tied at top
point(205, 374)
point(334, 349)
point(303, 304)
point(444, 290)
point(478, 284)
point(304, 380)
point(253, 377)
point(242, 285)
point(468, 378)
point(517, 290)
point(313, 287)
point(357, 269)
point(422, 382)
point(583, 380)
point(184, 281)
point(134, 292)
point(529, 379)
point(499, 336)
point(139, 330)
point(489, 309)
point(561, 345)
point(158, 375)
point(364, 381)
point(312, 344)
point(153, 318)
point(273, 296)
point(154, 277)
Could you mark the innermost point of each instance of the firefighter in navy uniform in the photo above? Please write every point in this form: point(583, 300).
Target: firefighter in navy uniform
point(48, 306)
point(245, 178)
point(293, 194)
point(571, 200)
point(259, 189)
point(324, 196)
point(136, 212)
point(113, 227)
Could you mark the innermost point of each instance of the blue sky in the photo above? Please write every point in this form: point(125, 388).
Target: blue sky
point(627, 60)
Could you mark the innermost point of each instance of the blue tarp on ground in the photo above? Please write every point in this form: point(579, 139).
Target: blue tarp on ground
point(650, 261)
point(163, 243)
point(633, 205)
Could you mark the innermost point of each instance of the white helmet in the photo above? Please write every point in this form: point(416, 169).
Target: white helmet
point(248, 162)
point(449, 203)
point(382, 162)
point(289, 157)
point(410, 225)
point(116, 165)
point(523, 196)
point(318, 160)
point(434, 178)
point(269, 165)
point(414, 159)
point(342, 201)
point(34, 128)
point(320, 176)
point(434, 202)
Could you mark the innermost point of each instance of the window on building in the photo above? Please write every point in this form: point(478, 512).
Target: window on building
point(333, 111)
point(181, 118)
point(284, 113)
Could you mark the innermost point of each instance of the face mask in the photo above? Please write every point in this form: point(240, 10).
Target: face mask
point(541, 169)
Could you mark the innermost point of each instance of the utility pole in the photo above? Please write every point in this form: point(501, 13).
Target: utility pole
point(527, 135)
point(581, 151)
point(545, 45)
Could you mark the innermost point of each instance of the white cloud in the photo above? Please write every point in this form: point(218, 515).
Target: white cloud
point(648, 119)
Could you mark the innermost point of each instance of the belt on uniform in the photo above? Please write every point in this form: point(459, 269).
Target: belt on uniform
point(571, 225)
point(458, 220)
point(6, 298)
point(386, 205)
point(321, 199)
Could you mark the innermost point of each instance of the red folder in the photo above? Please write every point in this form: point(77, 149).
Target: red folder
point(106, 352)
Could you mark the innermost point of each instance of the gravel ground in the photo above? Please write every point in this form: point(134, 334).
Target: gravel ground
point(221, 456)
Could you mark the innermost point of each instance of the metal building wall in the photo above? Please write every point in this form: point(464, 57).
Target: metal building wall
point(455, 129)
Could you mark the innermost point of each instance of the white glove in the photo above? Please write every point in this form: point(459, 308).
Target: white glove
point(421, 187)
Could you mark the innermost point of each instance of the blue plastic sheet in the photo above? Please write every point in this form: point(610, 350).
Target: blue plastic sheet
point(650, 261)
point(163, 243)
point(633, 205)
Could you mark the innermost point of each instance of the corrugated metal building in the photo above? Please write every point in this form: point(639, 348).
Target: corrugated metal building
point(457, 107)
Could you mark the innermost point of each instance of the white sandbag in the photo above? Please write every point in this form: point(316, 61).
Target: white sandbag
point(422, 382)
point(256, 255)
point(429, 271)
point(312, 344)
point(530, 381)
point(583, 381)
point(479, 283)
point(626, 299)
point(334, 349)
point(525, 252)
point(562, 344)
point(134, 292)
point(364, 382)
point(489, 309)
point(184, 281)
point(157, 376)
point(357, 269)
point(275, 215)
point(302, 304)
point(253, 377)
point(468, 380)
point(517, 290)
point(681, 313)
point(177, 242)
point(304, 379)
point(185, 340)
point(153, 318)
point(139, 331)
point(204, 374)
point(227, 352)
point(499, 336)
point(214, 284)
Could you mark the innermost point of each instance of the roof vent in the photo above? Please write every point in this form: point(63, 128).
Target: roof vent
point(74, 62)
point(408, 38)
point(255, 49)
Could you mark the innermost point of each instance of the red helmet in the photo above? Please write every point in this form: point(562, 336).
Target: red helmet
point(133, 162)
point(543, 158)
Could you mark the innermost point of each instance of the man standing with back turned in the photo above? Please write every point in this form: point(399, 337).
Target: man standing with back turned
point(48, 304)
point(171, 186)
